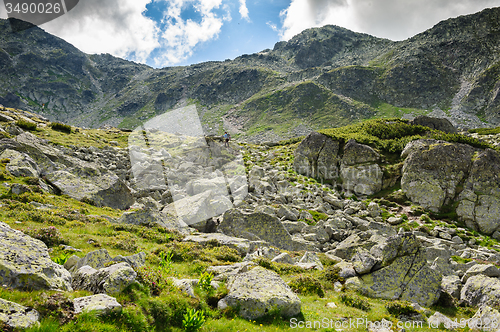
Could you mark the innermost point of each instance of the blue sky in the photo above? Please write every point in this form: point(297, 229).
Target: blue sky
point(164, 33)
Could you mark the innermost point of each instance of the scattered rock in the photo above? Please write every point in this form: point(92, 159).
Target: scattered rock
point(258, 292)
point(100, 303)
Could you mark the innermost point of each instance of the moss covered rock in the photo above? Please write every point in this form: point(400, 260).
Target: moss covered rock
point(481, 290)
point(17, 316)
point(25, 263)
point(260, 292)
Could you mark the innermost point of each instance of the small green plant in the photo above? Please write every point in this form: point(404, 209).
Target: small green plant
point(193, 320)
point(307, 285)
point(461, 260)
point(331, 274)
point(355, 301)
point(205, 281)
point(166, 261)
point(62, 258)
point(26, 125)
point(61, 127)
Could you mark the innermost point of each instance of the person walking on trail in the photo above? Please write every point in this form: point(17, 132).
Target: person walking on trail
point(226, 137)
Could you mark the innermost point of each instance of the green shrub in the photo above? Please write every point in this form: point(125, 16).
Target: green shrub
point(486, 131)
point(398, 308)
point(168, 309)
point(205, 281)
point(331, 274)
point(307, 285)
point(61, 258)
point(154, 279)
point(61, 127)
point(355, 301)
point(48, 235)
point(280, 268)
point(26, 125)
point(193, 320)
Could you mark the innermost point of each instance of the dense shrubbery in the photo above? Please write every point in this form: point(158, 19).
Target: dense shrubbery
point(485, 131)
point(61, 127)
point(392, 135)
point(353, 300)
point(48, 235)
point(398, 308)
point(307, 285)
point(26, 125)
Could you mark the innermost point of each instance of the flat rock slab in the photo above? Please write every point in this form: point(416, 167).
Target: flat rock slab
point(101, 303)
point(16, 316)
point(258, 292)
point(25, 263)
point(242, 245)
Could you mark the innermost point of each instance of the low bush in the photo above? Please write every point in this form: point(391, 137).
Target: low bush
point(398, 308)
point(353, 300)
point(48, 235)
point(26, 125)
point(61, 127)
point(307, 285)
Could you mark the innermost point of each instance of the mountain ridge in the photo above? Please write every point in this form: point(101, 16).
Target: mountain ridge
point(449, 70)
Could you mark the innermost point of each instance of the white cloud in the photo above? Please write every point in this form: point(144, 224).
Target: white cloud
point(244, 10)
point(180, 36)
point(273, 26)
point(393, 19)
point(112, 26)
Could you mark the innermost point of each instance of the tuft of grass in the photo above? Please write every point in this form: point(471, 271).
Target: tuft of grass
point(306, 285)
point(61, 127)
point(26, 125)
point(353, 300)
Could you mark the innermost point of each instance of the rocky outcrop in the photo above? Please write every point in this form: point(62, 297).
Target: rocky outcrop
point(100, 258)
point(319, 156)
point(25, 263)
point(437, 173)
point(259, 292)
point(481, 290)
point(400, 272)
point(441, 124)
point(17, 316)
point(433, 170)
point(479, 203)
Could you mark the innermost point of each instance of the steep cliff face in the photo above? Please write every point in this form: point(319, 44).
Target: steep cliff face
point(320, 78)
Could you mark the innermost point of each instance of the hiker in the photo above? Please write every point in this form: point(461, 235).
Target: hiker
point(227, 137)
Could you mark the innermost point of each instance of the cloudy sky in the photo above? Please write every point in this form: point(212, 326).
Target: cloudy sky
point(181, 32)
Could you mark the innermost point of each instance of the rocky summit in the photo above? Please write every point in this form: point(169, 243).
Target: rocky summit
point(167, 229)
point(321, 78)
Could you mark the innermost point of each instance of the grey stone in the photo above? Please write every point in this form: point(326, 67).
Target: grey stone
point(17, 316)
point(99, 303)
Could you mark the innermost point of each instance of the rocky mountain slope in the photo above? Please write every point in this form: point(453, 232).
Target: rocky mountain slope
point(321, 78)
point(160, 231)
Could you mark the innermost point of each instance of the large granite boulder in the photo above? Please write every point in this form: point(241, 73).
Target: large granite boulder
point(150, 217)
point(100, 258)
point(479, 203)
point(259, 292)
point(17, 316)
point(481, 290)
point(316, 156)
point(441, 124)
point(25, 263)
point(104, 189)
point(257, 226)
point(433, 170)
point(401, 273)
point(196, 210)
point(20, 164)
point(110, 280)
